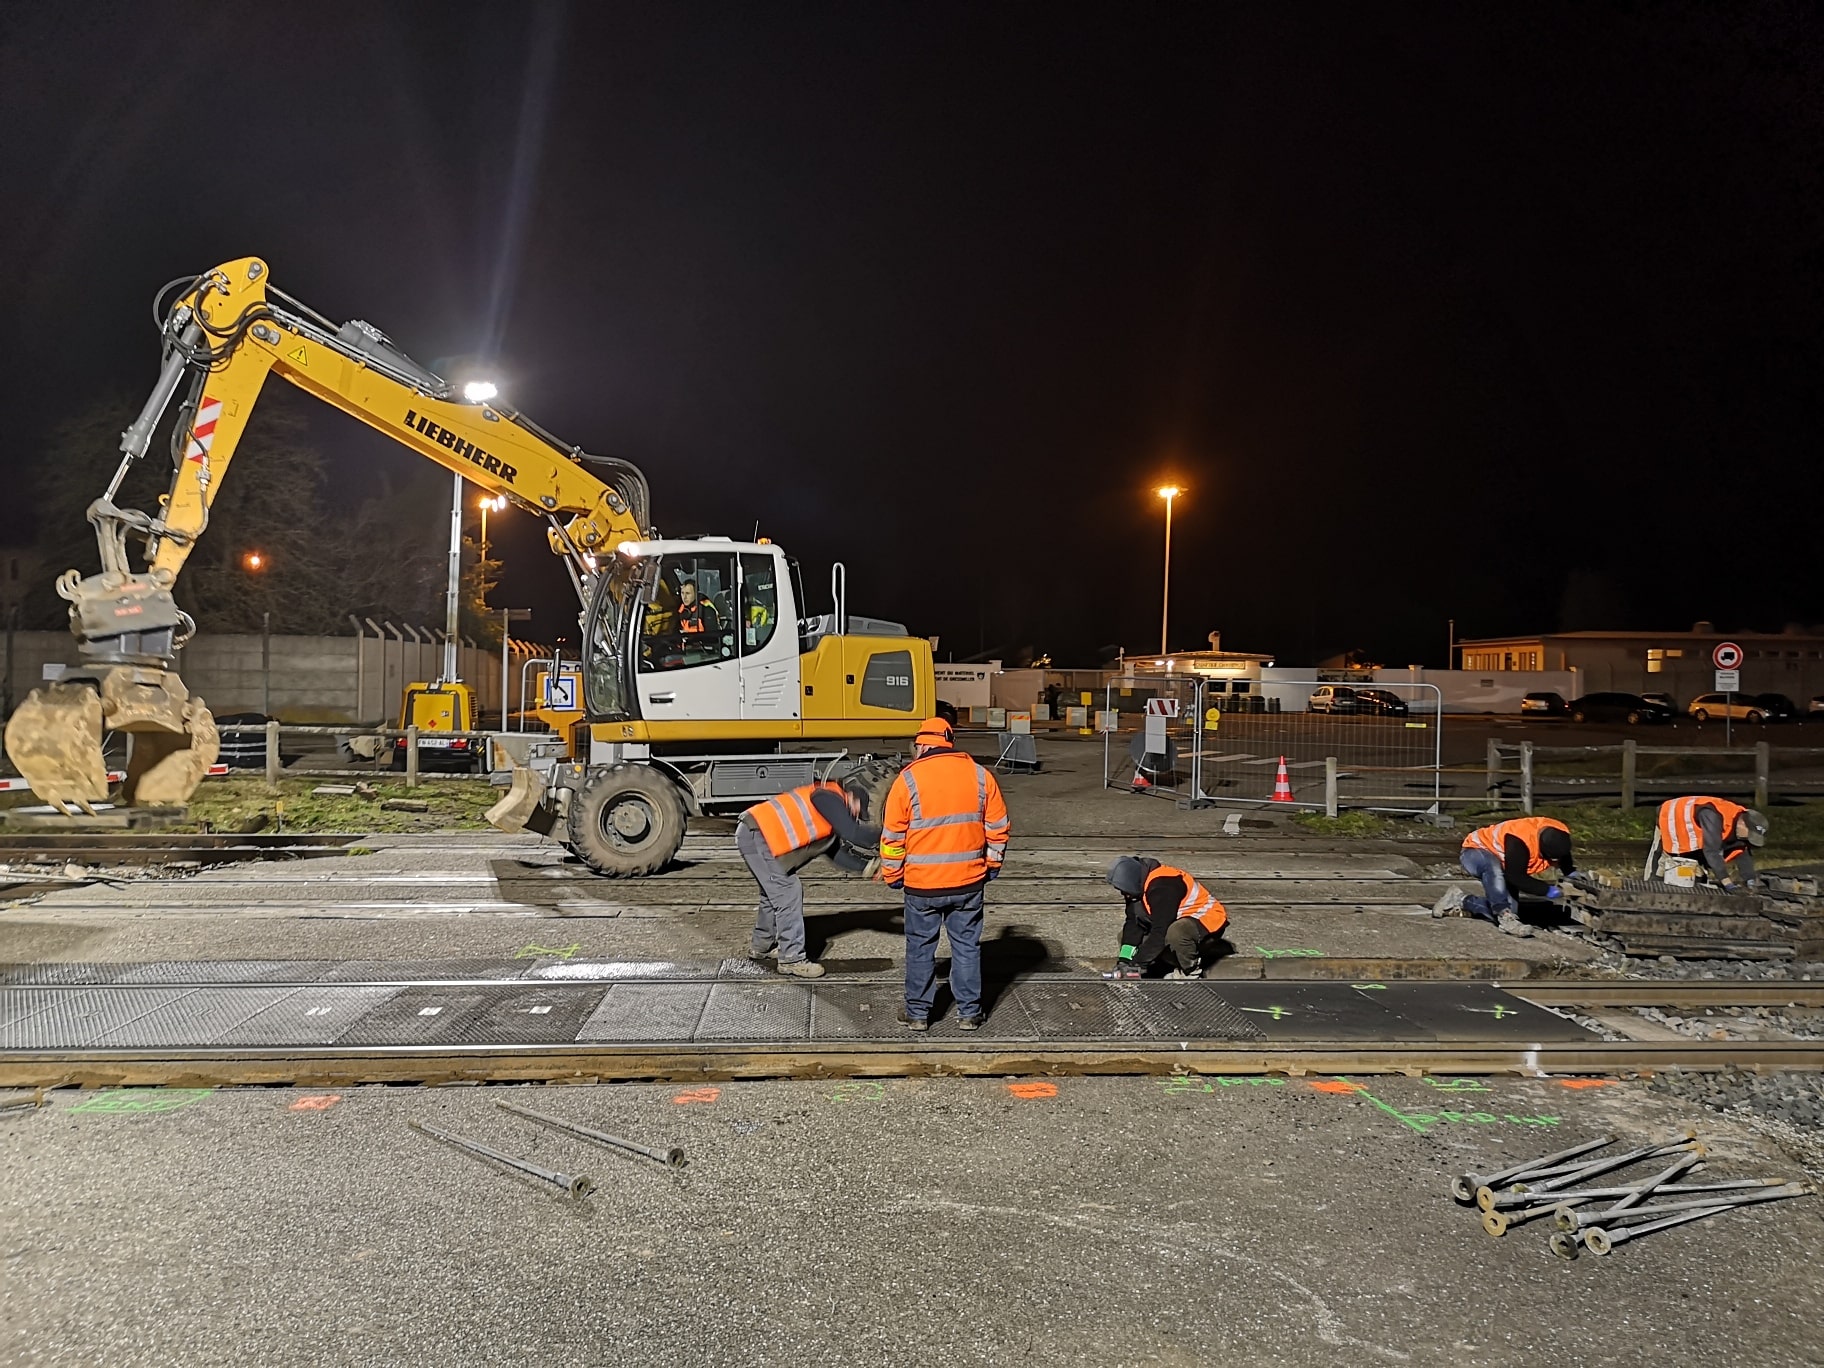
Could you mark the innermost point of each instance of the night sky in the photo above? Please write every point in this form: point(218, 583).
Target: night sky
point(1506, 313)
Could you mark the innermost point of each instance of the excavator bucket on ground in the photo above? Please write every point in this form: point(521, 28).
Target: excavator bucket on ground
point(54, 738)
point(523, 808)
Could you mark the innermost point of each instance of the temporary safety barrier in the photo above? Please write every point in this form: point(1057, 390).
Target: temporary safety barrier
point(1376, 747)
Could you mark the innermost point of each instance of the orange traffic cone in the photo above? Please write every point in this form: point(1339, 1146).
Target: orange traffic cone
point(1282, 784)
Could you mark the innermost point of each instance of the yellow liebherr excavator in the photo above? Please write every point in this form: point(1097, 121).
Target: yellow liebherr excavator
point(700, 666)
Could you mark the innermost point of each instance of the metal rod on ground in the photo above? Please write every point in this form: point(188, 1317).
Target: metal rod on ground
point(411, 756)
point(576, 1186)
point(1599, 1166)
point(1600, 1241)
point(1526, 777)
point(273, 764)
point(1463, 1187)
point(1762, 763)
point(1630, 762)
point(1329, 786)
point(1571, 1220)
point(1511, 1200)
point(671, 1158)
point(1582, 1220)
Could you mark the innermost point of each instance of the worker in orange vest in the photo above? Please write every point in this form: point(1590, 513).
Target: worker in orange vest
point(1721, 831)
point(1171, 919)
point(782, 835)
point(943, 836)
point(1510, 858)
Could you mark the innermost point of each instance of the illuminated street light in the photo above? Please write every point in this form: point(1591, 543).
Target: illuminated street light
point(486, 504)
point(1168, 493)
point(479, 391)
point(253, 560)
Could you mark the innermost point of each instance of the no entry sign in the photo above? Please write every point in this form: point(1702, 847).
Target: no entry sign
point(1726, 656)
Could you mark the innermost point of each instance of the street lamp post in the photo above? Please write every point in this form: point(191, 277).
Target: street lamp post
point(1168, 493)
point(486, 504)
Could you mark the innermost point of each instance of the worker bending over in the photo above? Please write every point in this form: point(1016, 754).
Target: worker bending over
point(1173, 923)
point(1721, 831)
point(1510, 858)
point(782, 835)
point(943, 836)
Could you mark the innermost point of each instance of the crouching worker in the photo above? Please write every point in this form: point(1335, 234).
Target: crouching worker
point(1173, 925)
point(779, 837)
point(1720, 831)
point(1510, 858)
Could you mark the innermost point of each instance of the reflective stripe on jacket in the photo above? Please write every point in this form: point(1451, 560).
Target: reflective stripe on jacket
point(790, 821)
point(945, 824)
point(1198, 902)
point(1493, 839)
point(1679, 833)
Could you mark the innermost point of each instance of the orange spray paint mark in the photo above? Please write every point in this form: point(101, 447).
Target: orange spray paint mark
point(316, 1102)
point(1586, 1082)
point(684, 1099)
point(1030, 1091)
point(1335, 1086)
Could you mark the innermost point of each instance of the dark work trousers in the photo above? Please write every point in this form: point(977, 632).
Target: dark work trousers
point(958, 915)
point(1185, 944)
point(781, 919)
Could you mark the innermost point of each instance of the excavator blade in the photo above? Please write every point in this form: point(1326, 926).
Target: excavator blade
point(523, 808)
point(54, 740)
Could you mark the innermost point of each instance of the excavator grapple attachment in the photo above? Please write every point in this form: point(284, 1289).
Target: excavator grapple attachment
point(55, 739)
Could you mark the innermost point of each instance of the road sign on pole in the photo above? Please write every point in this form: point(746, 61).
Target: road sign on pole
point(1726, 656)
point(1728, 681)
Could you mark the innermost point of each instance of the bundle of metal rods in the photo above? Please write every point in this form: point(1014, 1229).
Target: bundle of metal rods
point(1593, 1208)
point(575, 1186)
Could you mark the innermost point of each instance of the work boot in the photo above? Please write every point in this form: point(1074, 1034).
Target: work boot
point(1178, 974)
point(969, 1023)
point(803, 968)
point(1513, 925)
point(759, 952)
point(912, 1023)
point(1449, 904)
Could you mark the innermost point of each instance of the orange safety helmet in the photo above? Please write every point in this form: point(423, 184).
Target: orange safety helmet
point(935, 732)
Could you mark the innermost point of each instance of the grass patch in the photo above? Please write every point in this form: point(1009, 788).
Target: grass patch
point(1357, 825)
point(235, 804)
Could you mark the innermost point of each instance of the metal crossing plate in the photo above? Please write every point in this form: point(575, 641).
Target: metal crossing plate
point(646, 1011)
point(1185, 1011)
point(756, 1011)
point(306, 1016)
point(1081, 1010)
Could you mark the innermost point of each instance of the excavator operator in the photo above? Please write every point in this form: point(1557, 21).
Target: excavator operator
point(697, 616)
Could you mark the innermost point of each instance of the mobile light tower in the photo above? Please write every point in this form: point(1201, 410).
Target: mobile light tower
point(1168, 493)
point(476, 392)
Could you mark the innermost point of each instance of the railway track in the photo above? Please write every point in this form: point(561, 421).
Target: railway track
point(669, 1026)
point(138, 848)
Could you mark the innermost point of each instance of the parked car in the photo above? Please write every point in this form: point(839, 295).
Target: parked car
point(1335, 698)
point(1664, 698)
point(1817, 703)
point(1545, 705)
point(1743, 707)
point(1618, 707)
point(1382, 701)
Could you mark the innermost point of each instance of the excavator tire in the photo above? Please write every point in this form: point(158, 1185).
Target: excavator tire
point(628, 821)
point(875, 776)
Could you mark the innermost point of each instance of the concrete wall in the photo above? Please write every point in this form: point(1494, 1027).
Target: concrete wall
point(313, 678)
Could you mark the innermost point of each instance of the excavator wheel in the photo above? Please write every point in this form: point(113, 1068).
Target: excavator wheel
point(628, 821)
point(875, 776)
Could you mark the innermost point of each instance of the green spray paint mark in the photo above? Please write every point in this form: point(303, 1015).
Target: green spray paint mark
point(1394, 1112)
point(1275, 1012)
point(1498, 1011)
point(1458, 1085)
point(555, 951)
point(1282, 954)
point(123, 1101)
point(1188, 1083)
point(1363, 987)
point(859, 1090)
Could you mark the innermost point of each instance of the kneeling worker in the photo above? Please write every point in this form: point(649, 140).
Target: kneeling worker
point(1721, 831)
point(782, 835)
point(1172, 921)
point(1509, 858)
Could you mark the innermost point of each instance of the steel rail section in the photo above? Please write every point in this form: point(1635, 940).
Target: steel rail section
point(339, 1067)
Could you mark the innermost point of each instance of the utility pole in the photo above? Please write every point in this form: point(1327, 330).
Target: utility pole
point(1450, 651)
